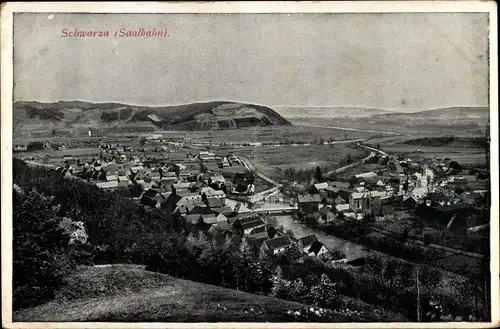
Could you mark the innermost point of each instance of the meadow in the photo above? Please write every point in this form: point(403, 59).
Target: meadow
point(274, 134)
point(269, 159)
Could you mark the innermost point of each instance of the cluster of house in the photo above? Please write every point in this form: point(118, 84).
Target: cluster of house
point(437, 183)
point(200, 205)
point(120, 166)
point(258, 234)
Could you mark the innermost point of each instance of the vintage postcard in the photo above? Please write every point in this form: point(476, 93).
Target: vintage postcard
point(239, 164)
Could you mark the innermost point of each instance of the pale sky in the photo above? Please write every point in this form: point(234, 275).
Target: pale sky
point(392, 61)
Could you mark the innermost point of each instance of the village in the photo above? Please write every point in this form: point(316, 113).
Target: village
point(224, 195)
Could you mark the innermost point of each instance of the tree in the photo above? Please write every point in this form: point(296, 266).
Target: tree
point(368, 218)
point(325, 293)
point(102, 174)
point(290, 233)
point(318, 175)
point(142, 141)
point(265, 271)
point(203, 168)
point(455, 166)
point(430, 277)
point(204, 198)
point(33, 146)
point(280, 285)
point(40, 259)
point(427, 239)
point(406, 235)
point(177, 171)
point(246, 269)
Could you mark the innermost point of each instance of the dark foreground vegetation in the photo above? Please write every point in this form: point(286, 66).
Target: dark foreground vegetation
point(120, 231)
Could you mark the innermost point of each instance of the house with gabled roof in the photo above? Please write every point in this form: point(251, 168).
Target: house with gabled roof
point(110, 178)
point(309, 203)
point(317, 249)
point(221, 218)
point(193, 219)
point(247, 226)
point(198, 207)
point(342, 207)
point(209, 218)
point(225, 210)
point(305, 242)
point(258, 230)
point(123, 182)
point(360, 201)
point(107, 185)
point(216, 194)
point(215, 203)
point(181, 187)
point(320, 187)
point(277, 245)
point(342, 191)
point(222, 228)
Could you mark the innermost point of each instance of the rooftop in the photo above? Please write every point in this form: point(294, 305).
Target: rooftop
point(278, 242)
point(321, 186)
point(209, 218)
point(309, 198)
point(308, 240)
point(315, 247)
point(252, 224)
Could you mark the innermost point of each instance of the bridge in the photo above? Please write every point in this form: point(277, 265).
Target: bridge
point(276, 210)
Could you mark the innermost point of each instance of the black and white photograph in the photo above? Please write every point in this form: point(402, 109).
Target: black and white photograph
point(274, 165)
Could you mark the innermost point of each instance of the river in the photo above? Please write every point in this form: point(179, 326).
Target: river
point(333, 243)
point(353, 250)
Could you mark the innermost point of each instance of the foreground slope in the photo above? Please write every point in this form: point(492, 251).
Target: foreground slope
point(208, 115)
point(129, 293)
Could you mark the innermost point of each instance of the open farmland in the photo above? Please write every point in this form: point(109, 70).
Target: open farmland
point(267, 159)
point(465, 151)
point(402, 125)
point(275, 134)
point(54, 156)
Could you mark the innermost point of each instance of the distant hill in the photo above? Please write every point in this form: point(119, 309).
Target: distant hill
point(219, 115)
point(329, 112)
point(127, 293)
point(448, 113)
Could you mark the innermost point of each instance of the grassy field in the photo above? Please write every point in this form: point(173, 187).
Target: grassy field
point(469, 156)
point(267, 134)
point(268, 159)
point(463, 150)
point(131, 294)
point(55, 156)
